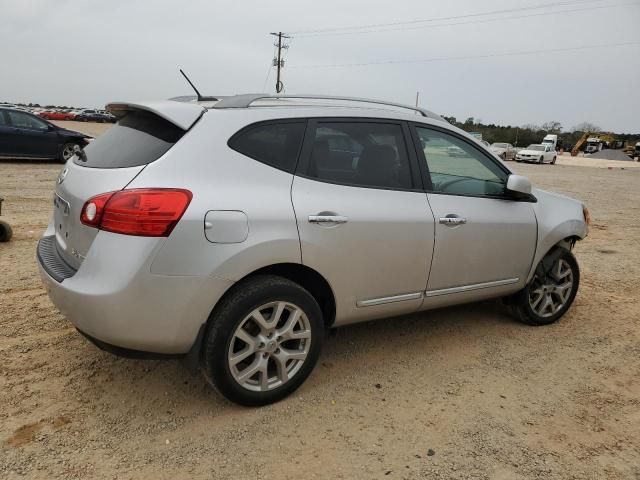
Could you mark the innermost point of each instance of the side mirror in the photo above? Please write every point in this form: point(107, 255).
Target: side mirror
point(519, 185)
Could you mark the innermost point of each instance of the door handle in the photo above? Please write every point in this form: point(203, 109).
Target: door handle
point(327, 219)
point(451, 221)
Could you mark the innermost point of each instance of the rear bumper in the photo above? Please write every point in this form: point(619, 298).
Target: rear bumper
point(115, 300)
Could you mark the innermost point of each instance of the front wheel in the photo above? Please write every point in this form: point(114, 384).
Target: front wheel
point(551, 291)
point(67, 151)
point(541, 160)
point(264, 340)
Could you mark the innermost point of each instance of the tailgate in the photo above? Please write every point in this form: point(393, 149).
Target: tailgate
point(75, 185)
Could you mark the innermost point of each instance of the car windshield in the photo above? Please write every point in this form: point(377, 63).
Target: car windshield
point(536, 147)
point(499, 145)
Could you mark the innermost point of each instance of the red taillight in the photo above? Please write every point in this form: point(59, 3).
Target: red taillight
point(147, 212)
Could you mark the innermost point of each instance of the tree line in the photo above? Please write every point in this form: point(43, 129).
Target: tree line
point(524, 135)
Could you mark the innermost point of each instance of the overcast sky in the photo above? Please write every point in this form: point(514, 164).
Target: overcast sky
point(89, 52)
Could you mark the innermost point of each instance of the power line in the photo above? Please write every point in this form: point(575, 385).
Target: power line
point(273, 55)
point(467, 57)
point(487, 20)
point(453, 17)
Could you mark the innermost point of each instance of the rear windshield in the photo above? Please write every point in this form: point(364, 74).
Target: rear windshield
point(138, 138)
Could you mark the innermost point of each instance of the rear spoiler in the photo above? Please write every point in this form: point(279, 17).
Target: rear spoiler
point(183, 115)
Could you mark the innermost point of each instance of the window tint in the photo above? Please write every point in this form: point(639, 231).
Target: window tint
point(138, 138)
point(3, 122)
point(24, 120)
point(276, 144)
point(360, 153)
point(457, 167)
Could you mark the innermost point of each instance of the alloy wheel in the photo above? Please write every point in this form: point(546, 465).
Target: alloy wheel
point(269, 346)
point(68, 151)
point(551, 290)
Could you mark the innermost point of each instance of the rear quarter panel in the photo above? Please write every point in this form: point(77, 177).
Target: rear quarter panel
point(222, 179)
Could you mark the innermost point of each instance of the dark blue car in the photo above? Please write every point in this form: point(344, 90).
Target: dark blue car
point(23, 135)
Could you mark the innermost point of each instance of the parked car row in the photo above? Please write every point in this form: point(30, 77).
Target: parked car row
point(82, 115)
point(85, 115)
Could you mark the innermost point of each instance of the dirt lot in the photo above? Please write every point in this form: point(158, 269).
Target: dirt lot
point(458, 393)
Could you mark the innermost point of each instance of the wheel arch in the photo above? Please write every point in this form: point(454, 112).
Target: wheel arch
point(305, 276)
point(310, 280)
point(564, 235)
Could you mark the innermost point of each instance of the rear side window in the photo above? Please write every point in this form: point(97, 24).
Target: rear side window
point(364, 154)
point(138, 138)
point(276, 144)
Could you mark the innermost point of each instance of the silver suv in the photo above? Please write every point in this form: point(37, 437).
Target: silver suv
point(235, 232)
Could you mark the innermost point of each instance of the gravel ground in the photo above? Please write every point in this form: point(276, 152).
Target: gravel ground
point(610, 155)
point(458, 393)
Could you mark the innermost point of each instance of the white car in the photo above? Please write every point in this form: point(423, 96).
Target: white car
point(537, 153)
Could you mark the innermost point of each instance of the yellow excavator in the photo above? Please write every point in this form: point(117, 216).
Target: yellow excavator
point(594, 142)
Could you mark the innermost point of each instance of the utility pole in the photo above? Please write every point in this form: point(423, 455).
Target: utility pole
point(279, 61)
point(417, 96)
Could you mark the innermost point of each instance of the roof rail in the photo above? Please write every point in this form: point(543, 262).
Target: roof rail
point(245, 100)
point(193, 98)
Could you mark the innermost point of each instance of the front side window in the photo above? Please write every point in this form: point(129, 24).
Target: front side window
point(24, 120)
point(360, 154)
point(276, 144)
point(456, 167)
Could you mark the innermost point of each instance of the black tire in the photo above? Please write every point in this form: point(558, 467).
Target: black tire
point(541, 159)
point(232, 310)
point(520, 304)
point(5, 231)
point(63, 149)
point(553, 162)
point(504, 157)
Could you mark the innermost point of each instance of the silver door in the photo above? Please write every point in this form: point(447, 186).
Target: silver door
point(481, 244)
point(484, 241)
point(373, 245)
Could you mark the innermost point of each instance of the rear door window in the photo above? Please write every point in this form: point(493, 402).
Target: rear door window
point(138, 138)
point(368, 154)
point(276, 144)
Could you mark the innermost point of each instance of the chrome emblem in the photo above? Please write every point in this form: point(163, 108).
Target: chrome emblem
point(63, 175)
point(77, 254)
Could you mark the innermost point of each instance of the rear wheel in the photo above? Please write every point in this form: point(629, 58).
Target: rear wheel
point(264, 340)
point(67, 151)
point(551, 291)
point(5, 231)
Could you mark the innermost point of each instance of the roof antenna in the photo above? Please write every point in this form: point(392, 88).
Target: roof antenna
point(200, 97)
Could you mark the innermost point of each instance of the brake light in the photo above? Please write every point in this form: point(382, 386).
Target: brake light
point(146, 212)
